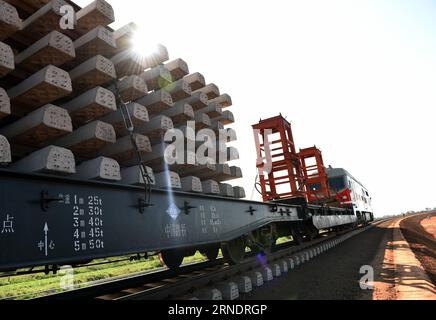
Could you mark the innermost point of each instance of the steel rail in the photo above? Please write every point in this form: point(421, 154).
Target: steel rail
point(142, 280)
point(127, 282)
point(181, 286)
point(184, 285)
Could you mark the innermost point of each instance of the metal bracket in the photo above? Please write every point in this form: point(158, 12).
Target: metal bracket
point(187, 208)
point(251, 211)
point(136, 257)
point(49, 269)
point(46, 199)
point(130, 128)
point(142, 205)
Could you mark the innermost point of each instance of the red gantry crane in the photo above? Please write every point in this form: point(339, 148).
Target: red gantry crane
point(285, 174)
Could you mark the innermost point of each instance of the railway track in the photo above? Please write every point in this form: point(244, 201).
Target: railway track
point(213, 279)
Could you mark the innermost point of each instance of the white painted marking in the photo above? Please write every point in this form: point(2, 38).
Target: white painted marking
point(173, 211)
point(46, 238)
point(8, 225)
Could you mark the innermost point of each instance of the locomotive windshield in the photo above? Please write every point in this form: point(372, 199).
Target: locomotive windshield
point(337, 183)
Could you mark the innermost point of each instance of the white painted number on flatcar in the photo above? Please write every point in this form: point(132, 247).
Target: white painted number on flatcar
point(210, 220)
point(88, 221)
point(215, 221)
point(174, 231)
point(203, 220)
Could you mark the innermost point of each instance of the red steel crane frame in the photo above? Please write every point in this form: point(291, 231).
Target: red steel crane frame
point(283, 172)
point(277, 160)
point(315, 175)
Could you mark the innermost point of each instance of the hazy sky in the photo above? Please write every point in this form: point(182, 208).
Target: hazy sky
point(356, 78)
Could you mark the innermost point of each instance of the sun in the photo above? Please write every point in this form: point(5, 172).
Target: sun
point(143, 45)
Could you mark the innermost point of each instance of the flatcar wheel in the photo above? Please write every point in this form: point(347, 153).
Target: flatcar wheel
point(234, 251)
point(211, 253)
point(173, 259)
point(296, 235)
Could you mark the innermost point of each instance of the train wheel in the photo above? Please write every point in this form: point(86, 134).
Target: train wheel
point(173, 259)
point(263, 241)
point(211, 253)
point(234, 251)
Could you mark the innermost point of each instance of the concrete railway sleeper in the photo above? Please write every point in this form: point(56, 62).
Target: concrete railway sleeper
point(233, 281)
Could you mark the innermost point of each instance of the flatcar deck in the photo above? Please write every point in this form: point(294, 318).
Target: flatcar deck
point(49, 220)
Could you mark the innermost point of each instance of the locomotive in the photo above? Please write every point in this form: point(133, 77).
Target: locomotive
point(350, 192)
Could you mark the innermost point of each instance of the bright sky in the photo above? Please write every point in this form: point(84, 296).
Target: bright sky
point(356, 78)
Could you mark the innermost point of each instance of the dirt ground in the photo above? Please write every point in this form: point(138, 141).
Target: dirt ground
point(384, 268)
point(420, 233)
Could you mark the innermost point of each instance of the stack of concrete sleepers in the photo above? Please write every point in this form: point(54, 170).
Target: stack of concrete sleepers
point(59, 89)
